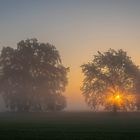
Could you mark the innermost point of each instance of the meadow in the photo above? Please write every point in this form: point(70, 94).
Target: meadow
point(70, 126)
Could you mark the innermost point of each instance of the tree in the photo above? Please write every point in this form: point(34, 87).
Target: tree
point(111, 82)
point(32, 77)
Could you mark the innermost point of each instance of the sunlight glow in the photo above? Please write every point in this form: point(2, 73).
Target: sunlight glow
point(121, 100)
point(117, 97)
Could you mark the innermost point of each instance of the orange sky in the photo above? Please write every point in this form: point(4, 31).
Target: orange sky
point(73, 93)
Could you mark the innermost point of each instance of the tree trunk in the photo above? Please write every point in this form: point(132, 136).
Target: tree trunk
point(114, 108)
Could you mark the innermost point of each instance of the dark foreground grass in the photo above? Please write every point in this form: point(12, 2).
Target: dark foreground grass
point(70, 126)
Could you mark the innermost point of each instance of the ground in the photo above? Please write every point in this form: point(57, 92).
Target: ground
point(70, 126)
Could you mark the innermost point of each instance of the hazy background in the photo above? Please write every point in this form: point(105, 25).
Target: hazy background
point(78, 29)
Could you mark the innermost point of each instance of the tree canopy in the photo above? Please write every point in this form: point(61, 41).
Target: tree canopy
point(111, 82)
point(32, 77)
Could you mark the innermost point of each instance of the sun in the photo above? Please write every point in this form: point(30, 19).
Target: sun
point(121, 99)
point(117, 97)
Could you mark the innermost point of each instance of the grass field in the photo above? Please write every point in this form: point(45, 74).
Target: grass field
point(70, 126)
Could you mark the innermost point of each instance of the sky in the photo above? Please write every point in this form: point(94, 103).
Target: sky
point(78, 29)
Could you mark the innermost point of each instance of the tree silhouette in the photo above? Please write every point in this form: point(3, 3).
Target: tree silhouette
point(111, 82)
point(32, 77)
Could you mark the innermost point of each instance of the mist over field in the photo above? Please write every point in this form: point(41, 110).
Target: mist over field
point(70, 69)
